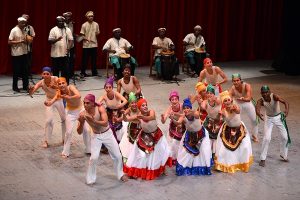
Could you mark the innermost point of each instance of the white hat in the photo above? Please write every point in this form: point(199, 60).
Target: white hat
point(161, 29)
point(89, 13)
point(198, 27)
point(67, 14)
point(22, 19)
point(60, 17)
point(116, 29)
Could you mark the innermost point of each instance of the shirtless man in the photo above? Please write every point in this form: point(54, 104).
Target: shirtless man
point(49, 85)
point(96, 118)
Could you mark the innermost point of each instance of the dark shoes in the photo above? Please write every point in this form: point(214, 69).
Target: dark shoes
point(16, 90)
point(84, 75)
point(262, 163)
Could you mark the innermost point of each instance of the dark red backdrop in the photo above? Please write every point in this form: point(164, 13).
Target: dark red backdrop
point(233, 29)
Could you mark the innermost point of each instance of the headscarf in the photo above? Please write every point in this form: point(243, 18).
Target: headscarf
point(116, 29)
point(205, 60)
point(237, 75)
point(200, 87)
point(22, 19)
point(60, 18)
point(47, 69)
point(224, 95)
point(264, 88)
point(187, 103)
point(210, 88)
point(131, 97)
point(161, 29)
point(89, 13)
point(173, 93)
point(91, 98)
point(198, 27)
point(110, 81)
point(140, 102)
point(61, 79)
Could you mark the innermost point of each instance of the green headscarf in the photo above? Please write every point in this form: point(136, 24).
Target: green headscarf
point(237, 75)
point(131, 97)
point(210, 88)
point(264, 88)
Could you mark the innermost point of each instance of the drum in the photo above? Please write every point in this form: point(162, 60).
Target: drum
point(200, 55)
point(29, 39)
point(124, 59)
point(167, 64)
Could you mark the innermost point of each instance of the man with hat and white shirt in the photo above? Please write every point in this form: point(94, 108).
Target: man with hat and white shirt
point(17, 42)
point(60, 38)
point(116, 47)
point(89, 31)
point(192, 42)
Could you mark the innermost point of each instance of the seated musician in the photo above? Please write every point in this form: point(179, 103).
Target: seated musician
point(118, 48)
point(195, 50)
point(164, 46)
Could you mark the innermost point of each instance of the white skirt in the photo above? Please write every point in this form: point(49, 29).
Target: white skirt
point(125, 145)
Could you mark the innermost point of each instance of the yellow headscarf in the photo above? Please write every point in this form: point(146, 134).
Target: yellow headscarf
point(200, 87)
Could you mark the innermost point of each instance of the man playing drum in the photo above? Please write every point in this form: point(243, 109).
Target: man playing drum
point(118, 48)
point(164, 54)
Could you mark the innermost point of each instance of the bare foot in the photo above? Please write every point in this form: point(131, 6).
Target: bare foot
point(165, 173)
point(64, 156)
point(262, 163)
point(255, 139)
point(124, 178)
point(45, 144)
point(284, 159)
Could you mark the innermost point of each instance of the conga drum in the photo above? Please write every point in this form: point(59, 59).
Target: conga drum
point(167, 64)
point(200, 55)
point(29, 39)
point(124, 59)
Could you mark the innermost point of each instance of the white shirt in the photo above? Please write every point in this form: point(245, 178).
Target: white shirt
point(16, 34)
point(70, 25)
point(191, 38)
point(90, 32)
point(117, 45)
point(165, 43)
point(59, 48)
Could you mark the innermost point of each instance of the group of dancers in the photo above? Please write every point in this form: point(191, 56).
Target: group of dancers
point(210, 137)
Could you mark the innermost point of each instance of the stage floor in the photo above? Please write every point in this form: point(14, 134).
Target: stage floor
point(27, 171)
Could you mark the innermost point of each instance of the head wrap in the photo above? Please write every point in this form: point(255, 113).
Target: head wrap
point(89, 13)
point(47, 69)
point(109, 81)
point(60, 18)
point(224, 95)
point(200, 87)
point(131, 97)
point(161, 29)
point(91, 98)
point(236, 76)
point(67, 14)
point(61, 79)
point(187, 103)
point(264, 88)
point(173, 93)
point(210, 88)
point(206, 59)
point(22, 19)
point(116, 29)
point(140, 102)
point(198, 27)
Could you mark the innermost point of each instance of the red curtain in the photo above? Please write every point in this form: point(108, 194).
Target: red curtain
point(233, 29)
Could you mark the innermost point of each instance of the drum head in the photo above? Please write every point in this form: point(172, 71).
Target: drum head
point(124, 55)
point(199, 50)
point(167, 53)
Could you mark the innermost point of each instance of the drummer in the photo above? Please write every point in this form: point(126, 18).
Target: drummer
point(163, 45)
point(118, 48)
point(194, 47)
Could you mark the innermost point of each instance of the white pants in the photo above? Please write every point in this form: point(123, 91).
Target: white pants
point(248, 109)
point(71, 119)
point(111, 144)
point(268, 126)
point(174, 146)
point(59, 106)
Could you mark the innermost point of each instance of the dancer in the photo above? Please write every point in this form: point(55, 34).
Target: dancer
point(194, 154)
point(134, 127)
point(150, 153)
point(200, 97)
point(273, 116)
point(233, 148)
point(175, 130)
point(94, 116)
point(49, 85)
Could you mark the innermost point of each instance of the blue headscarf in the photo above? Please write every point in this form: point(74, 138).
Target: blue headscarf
point(187, 103)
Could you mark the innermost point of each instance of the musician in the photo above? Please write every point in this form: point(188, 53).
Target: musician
point(30, 34)
point(193, 43)
point(17, 42)
point(71, 56)
point(118, 47)
point(60, 38)
point(89, 30)
point(163, 44)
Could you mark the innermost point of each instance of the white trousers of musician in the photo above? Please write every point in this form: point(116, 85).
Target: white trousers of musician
point(71, 121)
point(107, 138)
point(248, 109)
point(59, 106)
point(268, 126)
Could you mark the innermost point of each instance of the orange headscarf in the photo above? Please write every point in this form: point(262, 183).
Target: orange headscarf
point(140, 102)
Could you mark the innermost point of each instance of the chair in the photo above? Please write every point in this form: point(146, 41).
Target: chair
point(108, 65)
point(152, 64)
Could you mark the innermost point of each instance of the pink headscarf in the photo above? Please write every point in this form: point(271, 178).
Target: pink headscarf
point(173, 93)
point(91, 98)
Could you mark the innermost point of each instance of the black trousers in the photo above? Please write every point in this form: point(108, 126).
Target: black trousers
point(86, 54)
point(20, 69)
point(71, 62)
point(60, 64)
